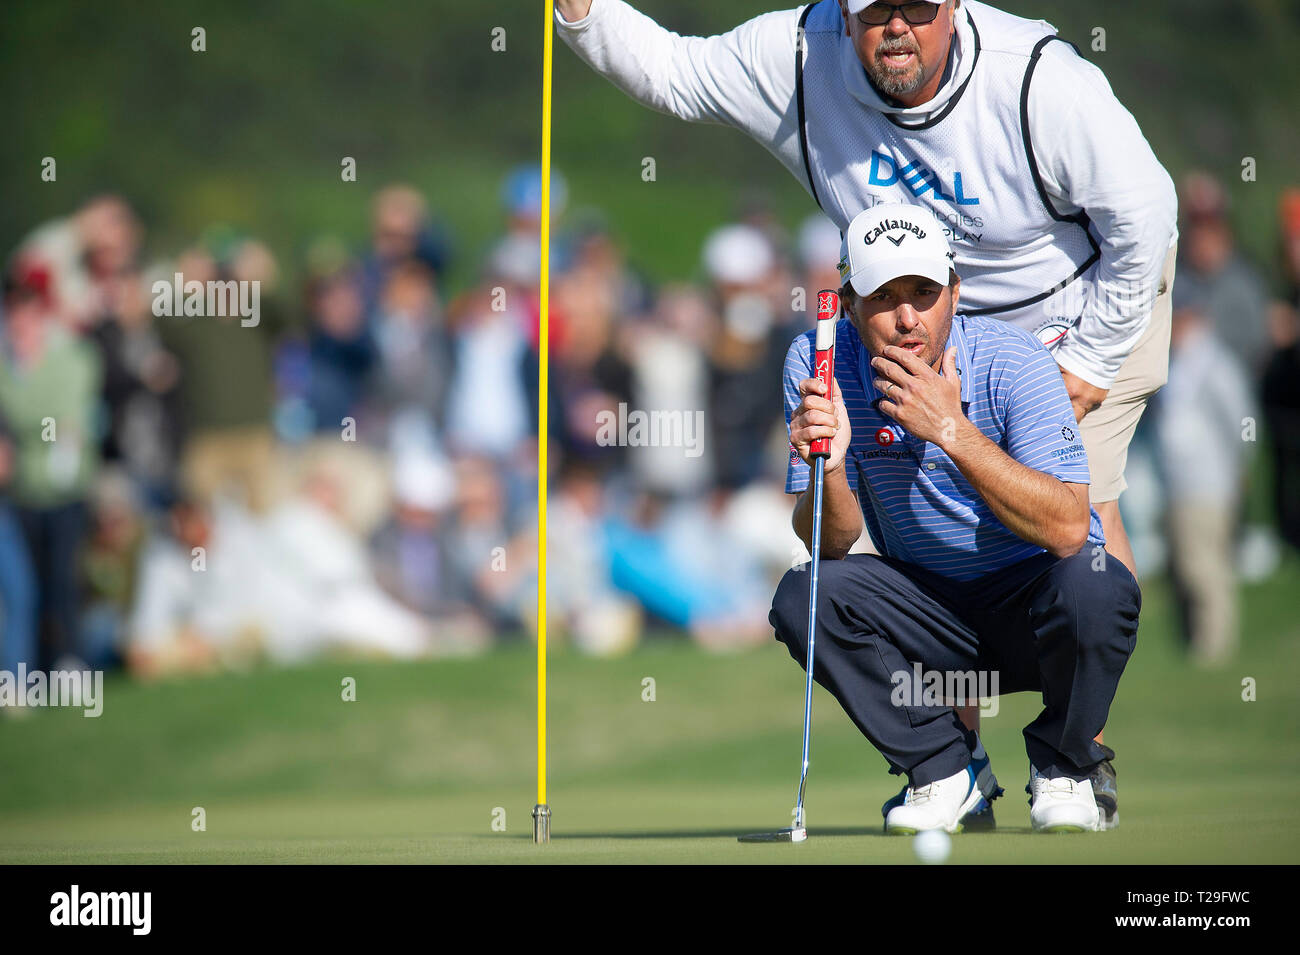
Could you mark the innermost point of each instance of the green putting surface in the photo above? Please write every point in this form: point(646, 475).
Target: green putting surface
point(431, 754)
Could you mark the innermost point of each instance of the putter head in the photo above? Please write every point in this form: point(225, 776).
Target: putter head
point(794, 834)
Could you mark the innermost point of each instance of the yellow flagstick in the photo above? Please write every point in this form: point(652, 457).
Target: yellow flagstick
point(541, 811)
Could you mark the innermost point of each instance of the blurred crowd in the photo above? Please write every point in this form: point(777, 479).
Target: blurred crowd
point(355, 469)
point(1233, 385)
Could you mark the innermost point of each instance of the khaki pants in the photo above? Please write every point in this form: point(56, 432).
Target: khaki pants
point(1201, 551)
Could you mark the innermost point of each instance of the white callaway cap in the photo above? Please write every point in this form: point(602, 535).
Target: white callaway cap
point(890, 240)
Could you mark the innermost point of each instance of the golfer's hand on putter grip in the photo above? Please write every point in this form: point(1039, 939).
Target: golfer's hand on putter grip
point(819, 417)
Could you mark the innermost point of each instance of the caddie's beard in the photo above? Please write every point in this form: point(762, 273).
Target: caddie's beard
point(889, 80)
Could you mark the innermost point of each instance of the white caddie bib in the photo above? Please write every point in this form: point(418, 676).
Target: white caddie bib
point(971, 165)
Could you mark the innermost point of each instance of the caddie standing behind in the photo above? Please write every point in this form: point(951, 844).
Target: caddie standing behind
point(1061, 219)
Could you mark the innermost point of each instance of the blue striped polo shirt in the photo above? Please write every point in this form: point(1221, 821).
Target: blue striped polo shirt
point(917, 505)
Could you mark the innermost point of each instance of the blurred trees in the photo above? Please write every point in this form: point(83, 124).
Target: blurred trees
point(252, 131)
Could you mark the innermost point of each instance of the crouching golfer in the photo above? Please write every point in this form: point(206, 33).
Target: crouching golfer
point(954, 437)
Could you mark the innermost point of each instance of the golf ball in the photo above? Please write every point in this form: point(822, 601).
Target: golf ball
point(932, 846)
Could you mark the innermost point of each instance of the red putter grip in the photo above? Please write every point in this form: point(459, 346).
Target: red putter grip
point(828, 309)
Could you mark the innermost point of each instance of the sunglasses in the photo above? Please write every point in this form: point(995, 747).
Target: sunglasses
point(914, 14)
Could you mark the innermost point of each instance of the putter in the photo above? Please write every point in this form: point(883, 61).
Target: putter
point(828, 307)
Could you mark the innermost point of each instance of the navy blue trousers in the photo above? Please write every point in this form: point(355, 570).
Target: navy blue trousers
point(1062, 626)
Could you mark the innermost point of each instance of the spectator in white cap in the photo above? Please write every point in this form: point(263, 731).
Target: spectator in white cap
point(744, 357)
point(738, 255)
point(818, 244)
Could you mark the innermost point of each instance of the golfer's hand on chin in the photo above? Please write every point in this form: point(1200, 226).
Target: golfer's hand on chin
point(819, 417)
point(920, 399)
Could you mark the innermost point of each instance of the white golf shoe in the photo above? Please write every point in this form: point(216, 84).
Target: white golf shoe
point(1062, 804)
point(979, 819)
point(941, 804)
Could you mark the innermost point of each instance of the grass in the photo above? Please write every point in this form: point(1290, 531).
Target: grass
point(419, 766)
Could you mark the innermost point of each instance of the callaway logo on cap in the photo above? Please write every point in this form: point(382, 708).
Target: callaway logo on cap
point(891, 240)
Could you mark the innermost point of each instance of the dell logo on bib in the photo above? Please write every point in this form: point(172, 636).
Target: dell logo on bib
point(885, 171)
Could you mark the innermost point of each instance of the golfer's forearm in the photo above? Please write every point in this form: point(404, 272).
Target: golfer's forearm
point(841, 516)
point(1036, 507)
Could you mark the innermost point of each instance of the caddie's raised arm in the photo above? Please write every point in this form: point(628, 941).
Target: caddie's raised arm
point(744, 78)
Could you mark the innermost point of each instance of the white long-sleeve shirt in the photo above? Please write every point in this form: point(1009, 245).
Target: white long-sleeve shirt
point(1199, 418)
point(1089, 152)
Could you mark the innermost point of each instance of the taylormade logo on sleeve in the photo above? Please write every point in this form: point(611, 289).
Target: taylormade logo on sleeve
point(94, 909)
